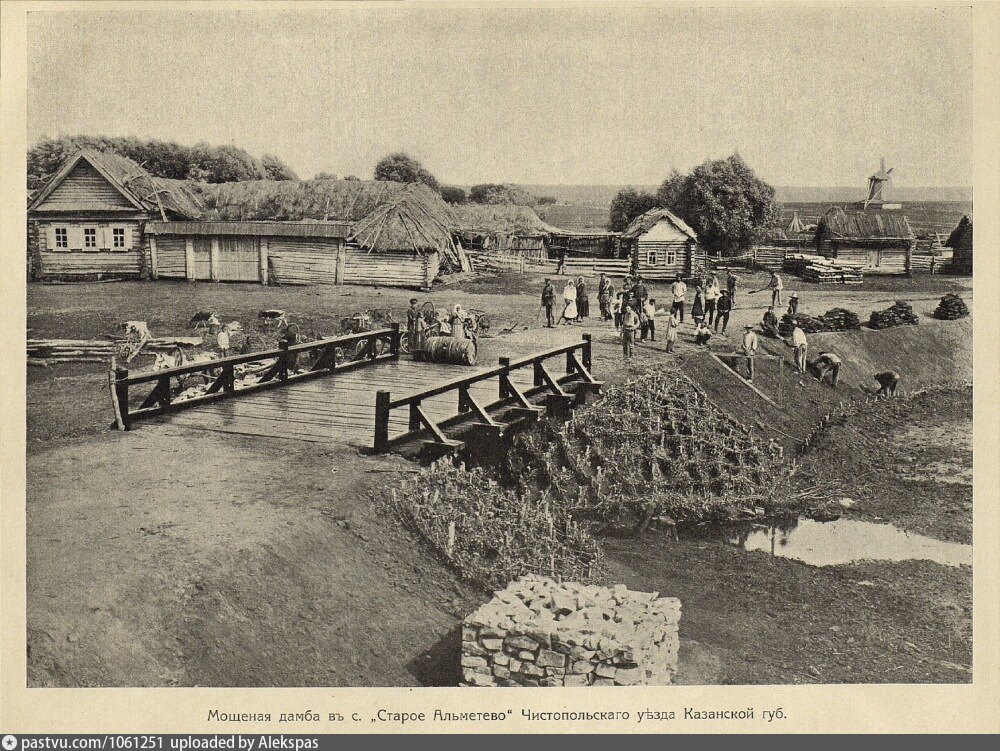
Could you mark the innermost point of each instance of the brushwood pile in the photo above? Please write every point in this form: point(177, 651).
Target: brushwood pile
point(951, 307)
point(835, 319)
point(539, 632)
point(900, 314)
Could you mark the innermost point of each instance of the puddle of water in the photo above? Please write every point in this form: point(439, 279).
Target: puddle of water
point(844, 541)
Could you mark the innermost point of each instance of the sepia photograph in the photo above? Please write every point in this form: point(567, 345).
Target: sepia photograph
point(497, 345)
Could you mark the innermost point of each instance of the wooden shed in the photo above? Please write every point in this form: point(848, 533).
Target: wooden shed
point(881, 240)
point(960, 241)
point(505, 229)
point(88, 221)
point(662, 246)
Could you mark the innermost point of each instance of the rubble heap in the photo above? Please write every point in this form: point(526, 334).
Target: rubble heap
point(900, 314)
point(538, 632)
point(951, 307)
point(835, 319)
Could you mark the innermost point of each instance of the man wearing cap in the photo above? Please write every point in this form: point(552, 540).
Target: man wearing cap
point(678, 291)
point(793, 304)
point(749, 349)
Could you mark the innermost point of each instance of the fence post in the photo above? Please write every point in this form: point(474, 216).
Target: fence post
point(381, 421)
point(587, 349)
point(504, 363)
point(121, 395)
point(394, 342)
point(283, 361)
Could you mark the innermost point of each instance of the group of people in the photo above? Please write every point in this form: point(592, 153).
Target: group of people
point(575, 302)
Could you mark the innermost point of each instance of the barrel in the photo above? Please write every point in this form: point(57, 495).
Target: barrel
point(447, 349)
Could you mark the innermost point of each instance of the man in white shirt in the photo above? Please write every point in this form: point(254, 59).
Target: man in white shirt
point(750, 345)
point(678, 290)
point(801, 346)
point(775, 285)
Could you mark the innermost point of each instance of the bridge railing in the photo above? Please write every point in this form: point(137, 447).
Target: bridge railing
point(234, 376)
point(469, 409)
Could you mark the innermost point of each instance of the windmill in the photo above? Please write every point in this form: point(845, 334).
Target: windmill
point(876, 189)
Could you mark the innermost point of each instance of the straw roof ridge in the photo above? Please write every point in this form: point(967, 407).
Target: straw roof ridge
point(838, 223)
point(645, 222)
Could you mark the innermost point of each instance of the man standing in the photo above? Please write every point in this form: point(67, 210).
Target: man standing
point(827, 362)
point(722, 310)
point(712, 293)
point(775, 285)
point(412, 318)
point(678, 290)
point(672, 325)
point(582, 300)
point(649, 313)
point(639, 293)
point(801, 346)
point(749, 349)
point(604, 297)
point(630, 322)
point(731, 287)
point(549, 303)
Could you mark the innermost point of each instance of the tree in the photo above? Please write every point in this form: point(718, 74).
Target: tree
point(547, 200)
point(403, 168)
point(453, 194)
point(275, 169)
point(326, 176)
point(724, 202)
point(498, 193)
point(627, 205)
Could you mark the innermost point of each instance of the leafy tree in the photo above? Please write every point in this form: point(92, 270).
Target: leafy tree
point(627, 204)
point(724, 202)
point(403, 168)
point(453, 194)
point(355, 178)
point(326, 176)
point(499, 193)
point(547, 200)
point(275, 169)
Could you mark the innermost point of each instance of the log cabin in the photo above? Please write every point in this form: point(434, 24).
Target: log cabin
point(880, 240)
point(662, 246)
point(102, 215)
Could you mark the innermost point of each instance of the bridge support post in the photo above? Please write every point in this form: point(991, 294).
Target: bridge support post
point(587, 350)
point(504, 363)
point(381, 421)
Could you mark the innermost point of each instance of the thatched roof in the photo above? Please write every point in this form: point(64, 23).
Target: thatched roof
point(502, 218)
point(146, 192)
point(645, 222)
point(961, 237)
point(386, 215)
point(840, 224)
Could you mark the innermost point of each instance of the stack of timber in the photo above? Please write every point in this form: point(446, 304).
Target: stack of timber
point(796, 262)
point(43, 352)
point(769, 258)
point(592, 265)
point(825, 271)
point(900, 314)
point(951, 307)
point(835, 319)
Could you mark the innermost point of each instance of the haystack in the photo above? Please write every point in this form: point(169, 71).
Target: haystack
point(506, 219)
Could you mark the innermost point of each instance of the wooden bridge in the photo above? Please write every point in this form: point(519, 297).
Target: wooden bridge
point(356, 390)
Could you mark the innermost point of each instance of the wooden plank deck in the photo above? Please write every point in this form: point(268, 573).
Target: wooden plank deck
point(341, 408)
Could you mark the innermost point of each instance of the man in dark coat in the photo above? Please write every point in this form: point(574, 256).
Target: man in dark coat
point(549, 303)
point(582, 301)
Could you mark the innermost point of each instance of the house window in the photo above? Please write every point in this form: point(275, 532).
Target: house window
point(650, 257)
point(89, 237)
point(671, 257)
point(62, 237)
point(118, 237)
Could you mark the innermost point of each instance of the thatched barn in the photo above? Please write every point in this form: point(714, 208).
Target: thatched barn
point(89, 219)
point(960, 241)
point(103, 215)
point(662, 246)
point(880, 240)
point(502, 228)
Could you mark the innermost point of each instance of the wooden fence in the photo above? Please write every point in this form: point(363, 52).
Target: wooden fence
point(265, 370)
point(470, 410)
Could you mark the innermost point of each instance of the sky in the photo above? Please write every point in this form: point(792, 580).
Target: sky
point(576, 94)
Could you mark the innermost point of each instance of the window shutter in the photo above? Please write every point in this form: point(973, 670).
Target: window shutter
point(128, 236)
point(50, 237)
point(75, 236)
point(103, 237)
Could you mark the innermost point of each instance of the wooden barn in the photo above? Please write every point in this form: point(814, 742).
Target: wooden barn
point(505, 229)
point(89, 219)
point(960, 241)
point(662, 246)
point(880, 240)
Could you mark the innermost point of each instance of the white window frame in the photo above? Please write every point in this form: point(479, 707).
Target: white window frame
point(56, 229)
point(124, 235)
point(671, 257)
point(97, 244)
point(650, 257)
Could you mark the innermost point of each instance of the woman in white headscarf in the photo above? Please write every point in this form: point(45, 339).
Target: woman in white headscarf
point(569, 298)
point(457, 321)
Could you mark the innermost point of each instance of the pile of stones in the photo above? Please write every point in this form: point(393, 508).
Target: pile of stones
point(539, 632)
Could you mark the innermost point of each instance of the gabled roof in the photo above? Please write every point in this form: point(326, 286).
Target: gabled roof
point(838, 224)
point(143, 191)
point(645, 222)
